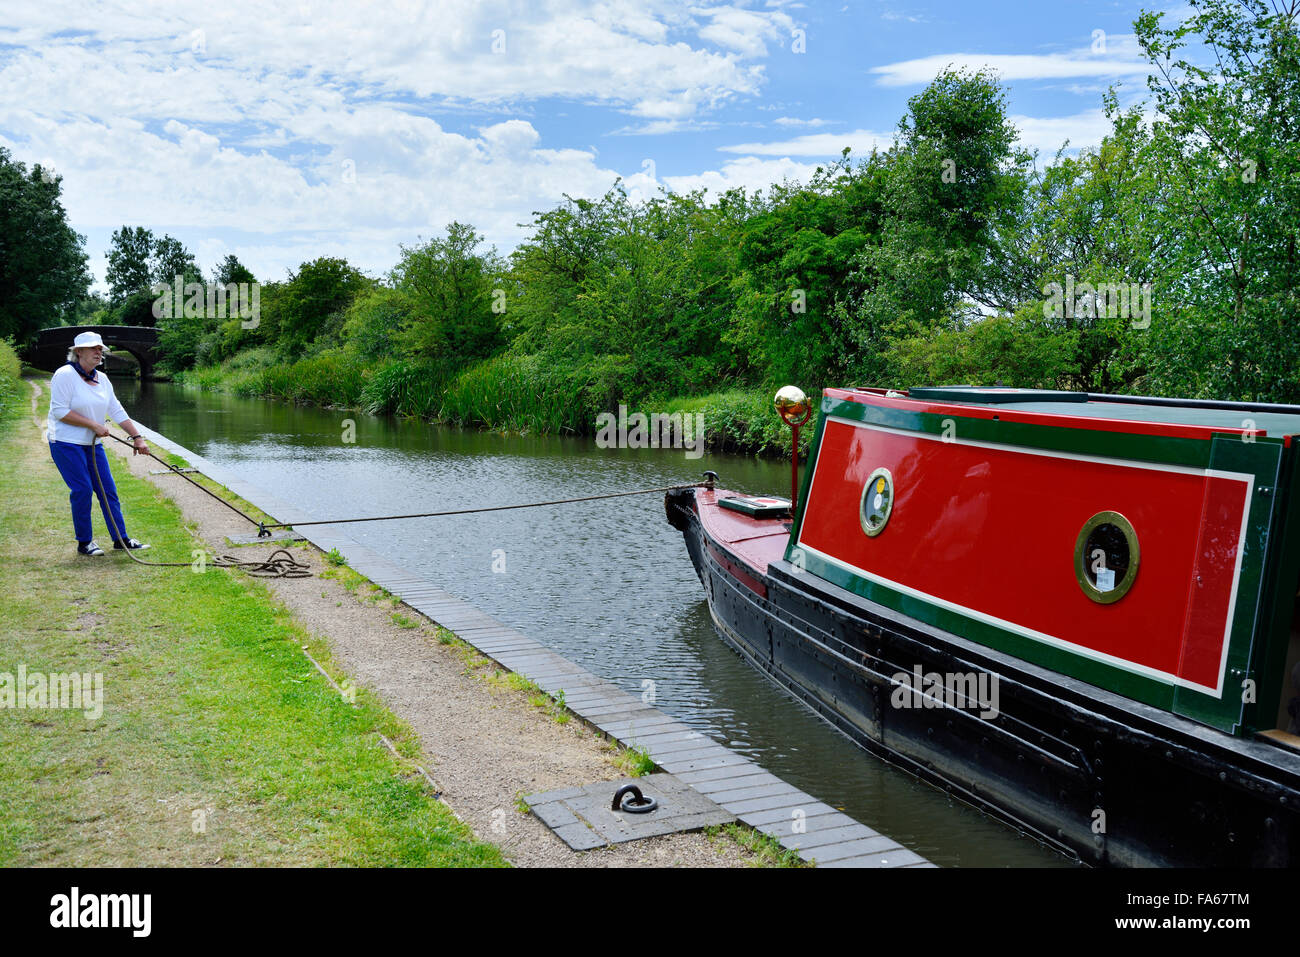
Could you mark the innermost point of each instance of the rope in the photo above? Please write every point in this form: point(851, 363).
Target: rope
point(280, 564)
point(286, 567)
point(489, 508)
point(177, 471)
point(263, 527)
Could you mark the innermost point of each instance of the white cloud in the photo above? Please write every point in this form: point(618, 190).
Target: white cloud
point(908, 17)
point(621, 52)
point(347, 196)
point(1048, 133)
point(1119, 59)
point(795, 121)
point(749, 172)
point(817, 144)
point(321, 127)
point(745, 31)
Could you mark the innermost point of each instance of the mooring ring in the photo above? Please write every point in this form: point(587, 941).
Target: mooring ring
point(630, 799)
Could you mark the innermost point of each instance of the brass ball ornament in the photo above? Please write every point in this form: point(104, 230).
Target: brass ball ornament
point(795, 409)
point(792, 405)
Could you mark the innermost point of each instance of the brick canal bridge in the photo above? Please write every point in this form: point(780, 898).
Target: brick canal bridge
point(51, 347)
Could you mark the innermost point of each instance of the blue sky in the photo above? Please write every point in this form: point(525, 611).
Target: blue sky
point(347, 129)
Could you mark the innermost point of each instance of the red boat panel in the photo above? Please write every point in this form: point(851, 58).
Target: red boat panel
point(990, 531)
point(755, 541)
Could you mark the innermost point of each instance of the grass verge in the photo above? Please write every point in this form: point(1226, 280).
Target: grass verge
point(218, 741)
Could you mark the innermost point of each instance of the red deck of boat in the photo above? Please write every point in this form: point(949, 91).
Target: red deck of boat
point(755, 541)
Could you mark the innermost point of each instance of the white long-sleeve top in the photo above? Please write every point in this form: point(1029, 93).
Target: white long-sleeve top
point(69, 392)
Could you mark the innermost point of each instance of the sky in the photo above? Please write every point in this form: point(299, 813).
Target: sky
point(285, 132)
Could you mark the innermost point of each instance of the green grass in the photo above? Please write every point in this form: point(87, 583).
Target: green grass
point(335, 377)
point(553, 705)
point(635, 762)
point(767, 850)
point(218, 742)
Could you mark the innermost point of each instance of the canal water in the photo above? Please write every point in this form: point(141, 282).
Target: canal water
point(607, 584)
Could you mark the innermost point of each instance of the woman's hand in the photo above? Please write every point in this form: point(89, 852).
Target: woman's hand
point(100, 429)
point(139, 446)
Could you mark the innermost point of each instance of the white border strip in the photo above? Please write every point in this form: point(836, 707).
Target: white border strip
point(1060, 643)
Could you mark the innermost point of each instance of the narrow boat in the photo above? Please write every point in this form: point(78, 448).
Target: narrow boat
point(1072, 611)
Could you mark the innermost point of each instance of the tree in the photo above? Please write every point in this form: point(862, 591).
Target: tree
point(450, 290)
point(129, 257)
point(954, 186)
point(1227, 137)
point(42, 260)
point(373, 321)
point(231, 270)
point(1024, 351)
point(792, 278)
point(313, 300)
point(1091, 230)
point(171, 259)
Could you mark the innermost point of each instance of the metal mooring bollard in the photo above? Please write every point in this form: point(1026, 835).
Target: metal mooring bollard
point(630, 799)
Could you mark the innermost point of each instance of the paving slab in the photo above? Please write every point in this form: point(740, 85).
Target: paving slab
point(723, 786)
point(621, 725)
point(681, 808)
point(676, 745)
point(897, 858)
point(747, 793)
point(791, 801)
point(252, 539)
point(714, 774)
point(869, 846)
point(677, 764)
point(820, 837)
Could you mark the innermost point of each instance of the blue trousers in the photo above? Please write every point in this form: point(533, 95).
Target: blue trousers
point(73, 461)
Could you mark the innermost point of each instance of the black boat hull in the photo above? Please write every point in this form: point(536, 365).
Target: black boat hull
point(1103, 779)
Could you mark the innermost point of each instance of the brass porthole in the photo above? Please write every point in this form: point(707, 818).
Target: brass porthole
point(1106, 557)
point(877, 502)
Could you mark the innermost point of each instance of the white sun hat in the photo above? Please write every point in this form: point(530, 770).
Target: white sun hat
point(87, 339)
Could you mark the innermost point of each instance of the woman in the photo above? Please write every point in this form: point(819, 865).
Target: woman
point(80, 399)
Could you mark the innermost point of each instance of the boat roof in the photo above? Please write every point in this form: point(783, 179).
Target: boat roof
point(1275, 420)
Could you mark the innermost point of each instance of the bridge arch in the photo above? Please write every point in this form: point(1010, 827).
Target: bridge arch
point(50, 349)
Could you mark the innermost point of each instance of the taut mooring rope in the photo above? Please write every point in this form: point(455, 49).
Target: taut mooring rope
point(486, 508)
point(282, 565)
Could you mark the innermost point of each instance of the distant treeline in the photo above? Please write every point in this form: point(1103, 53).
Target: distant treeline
point(1163, 261)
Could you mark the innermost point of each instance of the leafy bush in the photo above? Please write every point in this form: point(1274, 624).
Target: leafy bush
point(404, 387)
point(743, 421)
point(11, 384)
